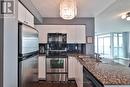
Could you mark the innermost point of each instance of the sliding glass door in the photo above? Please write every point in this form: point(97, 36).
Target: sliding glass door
point(107, 47)
point(118, 45)
point(110, 45)
point(103, 45)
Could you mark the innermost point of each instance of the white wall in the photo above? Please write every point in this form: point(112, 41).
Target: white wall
point(10, 53)
point(110, 19)
point(1, 52)
point(10, 71)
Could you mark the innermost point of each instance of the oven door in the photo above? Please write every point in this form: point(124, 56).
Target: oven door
point(57, 65)
point(57, 77)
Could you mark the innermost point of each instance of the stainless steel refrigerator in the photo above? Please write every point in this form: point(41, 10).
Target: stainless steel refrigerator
point(27, 55)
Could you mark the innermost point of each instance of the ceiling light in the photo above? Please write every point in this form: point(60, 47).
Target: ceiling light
point(126, 16)
point(68, 9)
point(123, 16)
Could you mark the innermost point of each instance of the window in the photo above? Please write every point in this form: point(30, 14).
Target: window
point(96, 47)
point(102, 45)
point(118, 45)
point(109, 45)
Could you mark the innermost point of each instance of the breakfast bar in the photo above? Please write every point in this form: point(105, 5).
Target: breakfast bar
point(110, 75)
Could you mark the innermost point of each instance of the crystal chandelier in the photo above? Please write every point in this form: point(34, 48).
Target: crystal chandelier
point(68, 9)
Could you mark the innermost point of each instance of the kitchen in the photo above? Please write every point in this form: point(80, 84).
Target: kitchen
point(64, 49)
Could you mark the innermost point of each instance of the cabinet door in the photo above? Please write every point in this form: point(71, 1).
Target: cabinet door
point(75, 33)
point(80, 75)
point(71, 70)
point(42, 67)
point(76, 71)
point(29, 18)
point(71, 37)
point(80, 34)
point(21, 12)
point(42, 34)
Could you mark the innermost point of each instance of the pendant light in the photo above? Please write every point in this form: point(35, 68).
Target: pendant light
point(68, 9)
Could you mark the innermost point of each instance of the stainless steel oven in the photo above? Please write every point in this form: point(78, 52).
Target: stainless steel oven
point(58, 65)
point(57, 61)
point(57, 77)
point(57, 69)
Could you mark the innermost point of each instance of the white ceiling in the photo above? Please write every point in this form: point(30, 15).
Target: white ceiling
point(110, 19)
point(86, 8)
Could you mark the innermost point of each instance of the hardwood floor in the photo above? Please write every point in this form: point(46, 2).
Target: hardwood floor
point(53, 84)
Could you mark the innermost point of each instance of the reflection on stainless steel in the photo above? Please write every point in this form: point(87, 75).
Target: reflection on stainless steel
point(57, 41)
point(57, 61)
point(56, 65)
point(56, 77)
point(28, 39)
point(57, 69)
point(27, 71)
point(57, 54)
point(27, 57)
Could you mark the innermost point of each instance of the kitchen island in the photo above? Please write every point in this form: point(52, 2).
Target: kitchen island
point(110, 75)
point(82, 68)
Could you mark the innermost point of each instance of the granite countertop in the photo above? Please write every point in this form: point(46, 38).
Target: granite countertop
point(108, 74)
